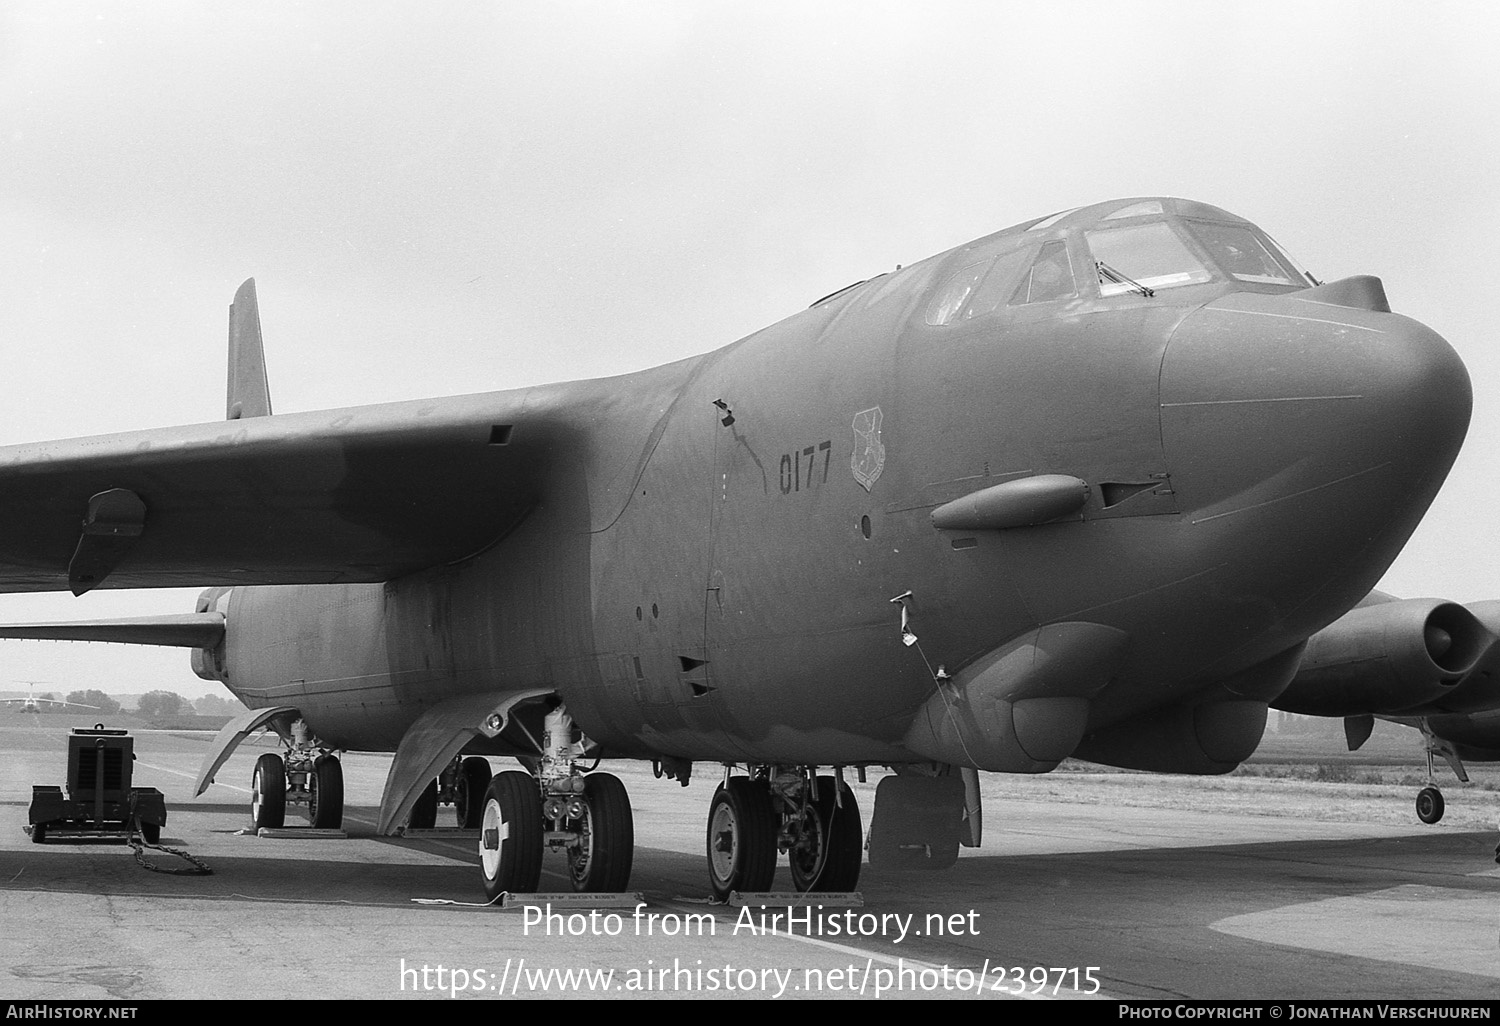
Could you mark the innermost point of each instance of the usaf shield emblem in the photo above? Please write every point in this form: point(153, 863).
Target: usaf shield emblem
point(868, 459)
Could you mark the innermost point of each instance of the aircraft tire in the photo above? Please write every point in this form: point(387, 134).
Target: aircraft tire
point(424, 813)
point(510, 835)
point(834, 861)
point(325, 807)
point(602, 863)
point(468, 802)
point(268, 793)
point(741, 838)
point(1430, 805)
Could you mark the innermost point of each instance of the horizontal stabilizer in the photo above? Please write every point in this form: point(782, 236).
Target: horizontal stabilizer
point(181, 630)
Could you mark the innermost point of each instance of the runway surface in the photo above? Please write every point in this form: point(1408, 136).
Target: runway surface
point(1165, 902)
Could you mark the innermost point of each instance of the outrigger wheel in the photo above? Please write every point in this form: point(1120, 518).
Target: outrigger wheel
point(1429, 805)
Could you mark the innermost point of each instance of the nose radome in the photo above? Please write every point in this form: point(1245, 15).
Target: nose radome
point(1269, 398)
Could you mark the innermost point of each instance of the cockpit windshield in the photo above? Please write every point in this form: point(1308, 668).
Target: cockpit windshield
point(1145, 255)
point(1134, 247)
point(1244, 255)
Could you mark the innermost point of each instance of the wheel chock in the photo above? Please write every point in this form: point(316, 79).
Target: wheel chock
point(302, 833)
point(572, 899)
point(797, 899)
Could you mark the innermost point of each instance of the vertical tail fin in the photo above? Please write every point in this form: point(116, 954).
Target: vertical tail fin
point(249, 391)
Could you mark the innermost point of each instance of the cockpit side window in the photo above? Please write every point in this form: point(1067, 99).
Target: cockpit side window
point(1050, 277)
point(955, 292)
point(997, 285)
point(1241, 254)
point(1147, 255)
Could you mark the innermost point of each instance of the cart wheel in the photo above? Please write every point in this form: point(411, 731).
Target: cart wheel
point(38, 833)
point(151, 833)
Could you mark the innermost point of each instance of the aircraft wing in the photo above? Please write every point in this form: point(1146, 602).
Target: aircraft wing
point(353, 495)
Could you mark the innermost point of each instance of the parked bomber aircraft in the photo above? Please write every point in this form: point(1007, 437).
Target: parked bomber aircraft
point(1083, 487)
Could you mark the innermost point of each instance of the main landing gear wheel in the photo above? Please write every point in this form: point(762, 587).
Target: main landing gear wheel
point(510, 835)
point(325, 793)
point(827, 853)
point(468, 798)
point(1429, 805)
point(741, 838)
point(601, 859)
point(268, 793)
point(424, 813)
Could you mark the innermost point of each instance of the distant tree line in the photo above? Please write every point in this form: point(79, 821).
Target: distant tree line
point(107, 706)
point(153, 704)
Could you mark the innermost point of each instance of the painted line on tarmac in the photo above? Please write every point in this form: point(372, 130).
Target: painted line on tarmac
point(190, 776)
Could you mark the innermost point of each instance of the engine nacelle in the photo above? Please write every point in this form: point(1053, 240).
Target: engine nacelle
point(1385, 658)
point(209, 663)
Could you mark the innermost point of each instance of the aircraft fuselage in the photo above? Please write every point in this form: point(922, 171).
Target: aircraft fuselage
point(707, 563)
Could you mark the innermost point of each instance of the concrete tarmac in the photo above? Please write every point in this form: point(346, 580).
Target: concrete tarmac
point(1063, 900)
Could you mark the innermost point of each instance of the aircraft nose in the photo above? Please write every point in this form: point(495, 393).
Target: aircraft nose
point(1327, 428)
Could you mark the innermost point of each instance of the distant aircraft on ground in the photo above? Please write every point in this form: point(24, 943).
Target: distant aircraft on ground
point(1083, 487)
point(33, 704)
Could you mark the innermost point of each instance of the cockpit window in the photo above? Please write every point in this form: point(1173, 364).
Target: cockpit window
point(997, 285)
point(1241, 254)
point(1148, 256)
point(1050, 277)
point(1136, 210)
point(955, 292)
point(1048, 222)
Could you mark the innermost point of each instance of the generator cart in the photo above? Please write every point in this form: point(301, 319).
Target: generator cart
point(100, 803)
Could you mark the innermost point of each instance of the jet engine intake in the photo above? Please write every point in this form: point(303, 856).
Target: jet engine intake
point(1386, 657)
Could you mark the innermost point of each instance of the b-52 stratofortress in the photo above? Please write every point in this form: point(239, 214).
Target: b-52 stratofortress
point(1083, 487)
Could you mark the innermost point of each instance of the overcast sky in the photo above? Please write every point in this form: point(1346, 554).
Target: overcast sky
point(457, 197)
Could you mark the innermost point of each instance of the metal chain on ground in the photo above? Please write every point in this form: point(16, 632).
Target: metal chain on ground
point(137, 840)
point(140, 844)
